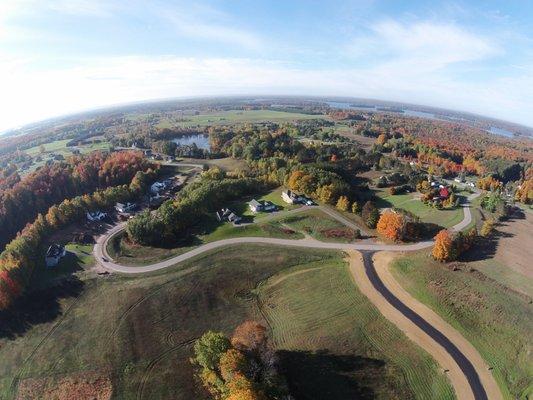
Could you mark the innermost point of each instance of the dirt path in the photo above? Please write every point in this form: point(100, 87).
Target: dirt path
point(470, 374)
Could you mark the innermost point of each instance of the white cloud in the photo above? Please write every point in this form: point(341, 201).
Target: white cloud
point(199, 21)
point(32, 95)
point(423, 44)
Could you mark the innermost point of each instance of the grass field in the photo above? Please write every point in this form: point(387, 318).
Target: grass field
point(237, 116)
point(317, 224)
point(135, 333)
point(129, 254)
point(444, 218)
point(495, 319)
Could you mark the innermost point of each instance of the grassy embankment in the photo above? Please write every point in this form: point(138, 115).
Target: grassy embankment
point(135, 333)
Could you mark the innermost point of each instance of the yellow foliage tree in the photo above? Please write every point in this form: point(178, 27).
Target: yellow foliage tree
point(343, 203)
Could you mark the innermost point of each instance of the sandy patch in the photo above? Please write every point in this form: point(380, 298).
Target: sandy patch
point(441, 356)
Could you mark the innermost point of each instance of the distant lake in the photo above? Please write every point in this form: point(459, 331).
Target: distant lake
point(201, 141)
point(500, 131)
point(411, 113)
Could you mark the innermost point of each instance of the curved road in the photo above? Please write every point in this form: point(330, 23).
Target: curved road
point(471, 372)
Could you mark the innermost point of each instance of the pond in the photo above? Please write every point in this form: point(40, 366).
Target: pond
point(201, 141)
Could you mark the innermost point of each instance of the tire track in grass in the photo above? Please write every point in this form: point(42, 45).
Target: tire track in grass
point(152, 364)
point(16, 380)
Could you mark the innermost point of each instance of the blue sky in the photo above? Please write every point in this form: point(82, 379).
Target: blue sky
point(63, 56)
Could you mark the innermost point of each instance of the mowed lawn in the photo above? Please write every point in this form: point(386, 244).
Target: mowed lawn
point(320, 226)
point(407, 202)
point(494, 318)
point(135, 334)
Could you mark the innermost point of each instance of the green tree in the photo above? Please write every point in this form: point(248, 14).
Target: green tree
point(356, 208)
point(209, 349)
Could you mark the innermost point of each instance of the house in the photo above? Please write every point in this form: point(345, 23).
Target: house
point(290, 197)
point(125, 208)
point(157, 187)
point(96, 216)
point(54, 253)
point(444, 193)
point(226, 214)
point(255, 206)
point(262, 205)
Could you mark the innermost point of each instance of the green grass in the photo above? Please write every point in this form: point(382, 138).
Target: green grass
point(135, 255)
point(139, 331)
point(314, 223)
point(495, 320)
point(78, 259)
point(444, 218)
point(237, 116)
point(57, 146)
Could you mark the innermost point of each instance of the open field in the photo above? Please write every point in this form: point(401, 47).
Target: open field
point(319, 226)
point(407, 202)
point(495, 319)
point(134, 335)
point(237, 116)
point(225, 164)
point(506, 258)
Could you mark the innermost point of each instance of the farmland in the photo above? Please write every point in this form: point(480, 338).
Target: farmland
point(234, 116)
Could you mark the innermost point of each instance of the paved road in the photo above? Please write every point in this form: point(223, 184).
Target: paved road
point(462, 361)
point(100, 248)
point(367, 248)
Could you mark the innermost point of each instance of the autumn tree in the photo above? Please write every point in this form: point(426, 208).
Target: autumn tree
point(343, 203)
point(444, 249)
point(356, 208)
point(391, 225)
point(487, 227)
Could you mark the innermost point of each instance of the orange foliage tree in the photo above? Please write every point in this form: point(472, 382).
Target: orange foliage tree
point(444, 247)
point(391, 225)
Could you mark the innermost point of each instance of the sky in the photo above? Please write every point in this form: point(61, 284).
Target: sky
point(63, 56)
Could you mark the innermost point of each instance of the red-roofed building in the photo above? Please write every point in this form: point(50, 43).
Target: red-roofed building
point(444, 193)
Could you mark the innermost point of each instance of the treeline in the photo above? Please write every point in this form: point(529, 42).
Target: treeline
point(172, 220)
point(23, 254)
point(51, 184)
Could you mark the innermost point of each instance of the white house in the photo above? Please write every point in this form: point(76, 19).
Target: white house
point(125, 208)
point(262, 205)
point(256, 206)
point(290, 197)
point(54, 253)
